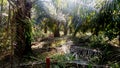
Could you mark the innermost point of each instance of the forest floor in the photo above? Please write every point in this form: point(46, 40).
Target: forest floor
point(58, 50)
point(64, 48)
point(48, 47)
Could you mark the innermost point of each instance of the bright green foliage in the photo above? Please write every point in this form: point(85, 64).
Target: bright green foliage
point(108, 20)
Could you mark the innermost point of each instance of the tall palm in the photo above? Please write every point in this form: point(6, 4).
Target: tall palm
point(23, 26)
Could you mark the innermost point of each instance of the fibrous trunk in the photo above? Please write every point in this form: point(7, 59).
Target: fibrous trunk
point(23, 28)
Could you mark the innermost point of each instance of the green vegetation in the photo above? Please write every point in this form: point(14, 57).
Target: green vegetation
point(64, 31)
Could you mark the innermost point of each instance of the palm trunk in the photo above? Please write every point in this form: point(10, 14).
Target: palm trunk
point(45, 29)
point(57, 30)
point(23, 29)
point(65, 29)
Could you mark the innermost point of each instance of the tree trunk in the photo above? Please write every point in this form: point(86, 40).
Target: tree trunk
point(65, 29)
point(23, 28)
point(45, 29)
point(28, 29)
point(57, 30)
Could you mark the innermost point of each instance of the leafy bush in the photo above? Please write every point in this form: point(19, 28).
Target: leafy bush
point(109, 53)
point(98, 41)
